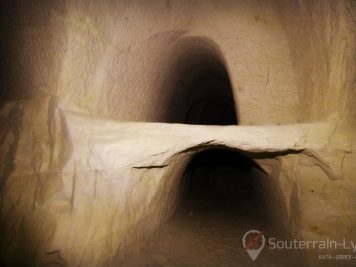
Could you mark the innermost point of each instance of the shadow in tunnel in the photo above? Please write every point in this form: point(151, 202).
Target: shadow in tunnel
point(219, 176)
point(216, 105)
point(200, 87)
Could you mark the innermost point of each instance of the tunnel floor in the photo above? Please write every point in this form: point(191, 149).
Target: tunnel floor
point(210, 235)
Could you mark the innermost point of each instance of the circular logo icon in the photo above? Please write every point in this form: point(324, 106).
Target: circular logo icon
point(253, 241)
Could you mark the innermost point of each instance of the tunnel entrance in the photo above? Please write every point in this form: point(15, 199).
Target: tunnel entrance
point(220, 202)
point(201, 91)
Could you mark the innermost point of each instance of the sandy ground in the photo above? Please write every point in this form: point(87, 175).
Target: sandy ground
point(207, 231)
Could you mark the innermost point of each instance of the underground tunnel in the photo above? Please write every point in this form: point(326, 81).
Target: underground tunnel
point(159, 133)
point(220, 198)
point(199, 85)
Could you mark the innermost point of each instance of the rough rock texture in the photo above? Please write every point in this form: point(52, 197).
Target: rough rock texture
point(321, 37)
point(287, 61)
point(108, 58)
point(78, 190)
point(90, 188)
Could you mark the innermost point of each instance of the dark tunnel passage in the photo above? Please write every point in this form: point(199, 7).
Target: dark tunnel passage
point(220, 202)
point(221, 190)
point(220, 173)
point(201, 88)
point(216, 106)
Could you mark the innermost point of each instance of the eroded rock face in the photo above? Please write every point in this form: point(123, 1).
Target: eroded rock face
point(91, 188)
point(81, 183)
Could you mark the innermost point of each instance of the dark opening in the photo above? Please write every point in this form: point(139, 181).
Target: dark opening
point(220, 173)
point(202, 92)
point(216, 105)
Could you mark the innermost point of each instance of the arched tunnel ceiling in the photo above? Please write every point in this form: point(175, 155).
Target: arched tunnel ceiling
point(80, 80)
point(197, 86)
point(110, 58)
